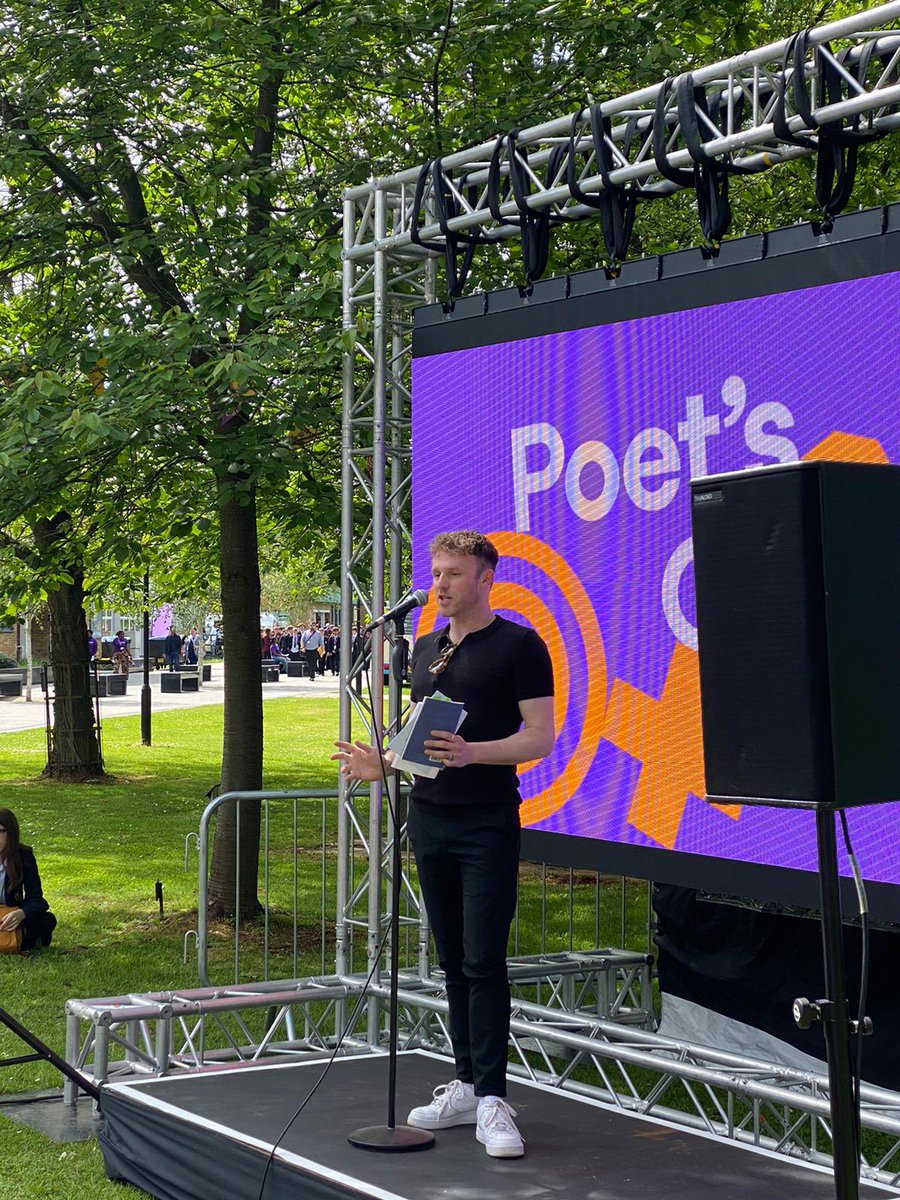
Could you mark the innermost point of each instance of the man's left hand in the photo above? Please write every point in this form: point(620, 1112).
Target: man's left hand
point(449, 749)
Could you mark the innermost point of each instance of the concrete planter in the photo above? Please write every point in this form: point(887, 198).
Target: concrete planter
point(178, 681)
point(109, 685)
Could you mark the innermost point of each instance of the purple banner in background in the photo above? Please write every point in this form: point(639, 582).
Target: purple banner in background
point(574, 451)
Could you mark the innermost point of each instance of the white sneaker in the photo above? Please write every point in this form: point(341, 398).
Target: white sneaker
point(496, 1129)
point(453, 1104)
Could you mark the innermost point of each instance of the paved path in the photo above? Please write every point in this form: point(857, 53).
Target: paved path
point(20, 714)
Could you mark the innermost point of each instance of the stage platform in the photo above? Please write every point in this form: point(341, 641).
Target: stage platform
point(208, 1136)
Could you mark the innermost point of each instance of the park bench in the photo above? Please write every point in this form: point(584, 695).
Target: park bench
point(179, 681)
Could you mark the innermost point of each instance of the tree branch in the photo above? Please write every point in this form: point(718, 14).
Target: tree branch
point(162, 285)
point(259, 204)
point(435, 76)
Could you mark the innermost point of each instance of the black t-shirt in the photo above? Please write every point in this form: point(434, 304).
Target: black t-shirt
point(490, 672)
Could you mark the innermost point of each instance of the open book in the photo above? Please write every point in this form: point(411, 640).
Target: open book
point(408, 747)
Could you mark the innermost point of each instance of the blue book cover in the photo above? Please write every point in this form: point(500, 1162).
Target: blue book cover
point(409, 745)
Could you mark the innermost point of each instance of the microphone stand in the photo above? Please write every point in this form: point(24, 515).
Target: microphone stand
point(391, 1137)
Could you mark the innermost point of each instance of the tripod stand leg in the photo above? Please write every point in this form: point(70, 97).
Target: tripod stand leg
point(42, 1050)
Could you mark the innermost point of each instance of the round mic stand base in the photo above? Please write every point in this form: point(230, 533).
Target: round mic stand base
point(396, 1140)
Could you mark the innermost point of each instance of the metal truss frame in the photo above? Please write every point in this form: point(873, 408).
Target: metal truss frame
point(157, 1033)
point(375, 538)
point(770, 106)
point(567, 1040)
point(727, 1095)
point(744, 92)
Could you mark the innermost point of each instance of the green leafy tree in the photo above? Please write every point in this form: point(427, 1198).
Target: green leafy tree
point(149, 177)
point(49, 544)
point(171, 180)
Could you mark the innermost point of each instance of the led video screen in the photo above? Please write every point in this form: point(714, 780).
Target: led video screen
point(568, 430)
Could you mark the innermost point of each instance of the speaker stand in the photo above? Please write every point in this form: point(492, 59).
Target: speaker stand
point(834, 1010)
point(835, 1015)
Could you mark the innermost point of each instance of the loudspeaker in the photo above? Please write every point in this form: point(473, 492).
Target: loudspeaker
point(797, 577)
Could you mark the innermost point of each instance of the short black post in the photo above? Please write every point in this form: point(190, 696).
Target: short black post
point(145, 689)
point(836, 1016)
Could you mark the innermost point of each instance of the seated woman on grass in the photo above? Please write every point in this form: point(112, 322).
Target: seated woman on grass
point(20, 887)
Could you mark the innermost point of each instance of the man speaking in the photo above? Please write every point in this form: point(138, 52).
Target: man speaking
point(464, 824)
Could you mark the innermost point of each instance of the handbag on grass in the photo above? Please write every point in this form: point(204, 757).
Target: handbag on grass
point(10, 939)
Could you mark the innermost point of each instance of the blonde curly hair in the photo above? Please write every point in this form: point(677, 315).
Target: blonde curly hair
point(467, 541)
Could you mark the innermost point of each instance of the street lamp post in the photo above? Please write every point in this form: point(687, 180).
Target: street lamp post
point(145, 690)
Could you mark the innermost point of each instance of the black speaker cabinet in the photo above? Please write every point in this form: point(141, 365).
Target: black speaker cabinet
point(797, 575)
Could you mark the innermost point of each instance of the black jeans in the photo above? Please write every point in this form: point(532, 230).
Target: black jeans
point(468, 862)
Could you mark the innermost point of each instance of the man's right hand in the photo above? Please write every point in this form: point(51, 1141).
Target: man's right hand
point(359, 760)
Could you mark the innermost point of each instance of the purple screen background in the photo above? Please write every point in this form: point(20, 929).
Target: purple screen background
point(722, 388)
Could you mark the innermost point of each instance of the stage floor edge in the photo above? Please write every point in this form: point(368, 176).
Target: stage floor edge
point(206, 1136)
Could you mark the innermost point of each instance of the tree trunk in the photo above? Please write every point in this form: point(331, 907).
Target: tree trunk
point(75, 746)
point(235, 872)
point(242, 746)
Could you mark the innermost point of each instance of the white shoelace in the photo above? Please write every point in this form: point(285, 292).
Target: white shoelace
point(497, 1118)
point(446, 1093)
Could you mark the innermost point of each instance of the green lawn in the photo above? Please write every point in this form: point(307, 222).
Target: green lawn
point(101, 848)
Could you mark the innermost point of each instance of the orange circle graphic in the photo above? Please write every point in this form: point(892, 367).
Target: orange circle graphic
point(554, 566)
point(515, 598)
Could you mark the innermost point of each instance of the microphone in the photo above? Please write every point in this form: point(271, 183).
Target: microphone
point(399, 611)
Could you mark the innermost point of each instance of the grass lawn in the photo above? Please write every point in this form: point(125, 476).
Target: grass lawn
point(101, 848)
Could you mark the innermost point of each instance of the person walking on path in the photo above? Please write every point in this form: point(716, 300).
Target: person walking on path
point(312, 642)
point(121, 653)
point(190, 647)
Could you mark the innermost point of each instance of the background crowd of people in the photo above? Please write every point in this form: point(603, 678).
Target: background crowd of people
point(319, 646)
